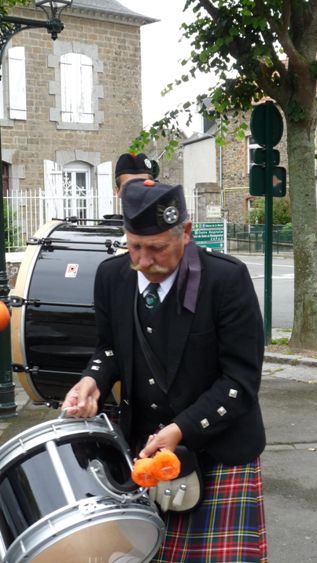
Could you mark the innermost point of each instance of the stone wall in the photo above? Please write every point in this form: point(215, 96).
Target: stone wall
point(115, 50)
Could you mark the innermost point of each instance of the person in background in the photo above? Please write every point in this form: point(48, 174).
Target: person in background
point(133, 166)
point(200, 316)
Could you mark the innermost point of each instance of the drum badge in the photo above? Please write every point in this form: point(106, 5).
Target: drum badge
point(170, 215)
point(71, 270)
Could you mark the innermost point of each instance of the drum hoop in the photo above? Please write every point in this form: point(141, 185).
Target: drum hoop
point(50, 530)
point(26, 442)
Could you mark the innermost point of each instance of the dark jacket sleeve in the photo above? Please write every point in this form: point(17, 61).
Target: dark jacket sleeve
point(232, 396)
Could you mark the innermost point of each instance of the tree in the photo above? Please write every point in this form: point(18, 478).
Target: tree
point(262, 48)
point(281, 211)
point(6, 5)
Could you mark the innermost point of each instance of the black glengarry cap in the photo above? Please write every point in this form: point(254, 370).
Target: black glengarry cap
point(129, 163)
point(151, 207)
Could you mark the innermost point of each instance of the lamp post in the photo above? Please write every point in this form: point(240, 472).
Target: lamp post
point(10, 26)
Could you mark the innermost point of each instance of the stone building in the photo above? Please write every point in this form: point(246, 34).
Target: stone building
point(69, 107)
point(218, 176)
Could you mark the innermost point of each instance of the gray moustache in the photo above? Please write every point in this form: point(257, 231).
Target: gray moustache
point(155, 269)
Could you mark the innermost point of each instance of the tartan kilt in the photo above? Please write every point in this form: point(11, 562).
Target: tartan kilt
point(227, 527)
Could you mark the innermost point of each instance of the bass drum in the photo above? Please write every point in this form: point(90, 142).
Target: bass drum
point(53, 323)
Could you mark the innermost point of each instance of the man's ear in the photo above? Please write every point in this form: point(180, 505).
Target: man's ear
point(187, 231)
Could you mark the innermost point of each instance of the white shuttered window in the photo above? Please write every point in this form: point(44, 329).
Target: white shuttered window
point(76, 88)
point(17, 83)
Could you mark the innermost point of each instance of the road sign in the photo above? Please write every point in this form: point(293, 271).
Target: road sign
point(211, 235)
point(260, 117)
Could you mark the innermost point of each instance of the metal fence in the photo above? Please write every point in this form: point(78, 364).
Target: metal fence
point(250, 238)
point(27, 210)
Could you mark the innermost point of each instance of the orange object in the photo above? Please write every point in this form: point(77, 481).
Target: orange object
point(166, 465)
point(149, 183)
point(142, 473)
point(4, 316)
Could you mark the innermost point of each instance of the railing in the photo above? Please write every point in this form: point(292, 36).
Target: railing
point(250, 238)
point(26, 210)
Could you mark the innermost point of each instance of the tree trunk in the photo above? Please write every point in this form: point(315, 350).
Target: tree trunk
point(303, 196)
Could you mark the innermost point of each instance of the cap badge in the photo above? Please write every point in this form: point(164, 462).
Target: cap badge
point(148, 163)
point(171, 215)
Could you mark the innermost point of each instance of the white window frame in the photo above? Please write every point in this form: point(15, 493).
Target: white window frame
point(81, 205)
point(62, 48)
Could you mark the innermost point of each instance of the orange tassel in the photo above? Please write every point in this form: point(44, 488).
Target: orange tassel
point(142, 473)
point(166, 465)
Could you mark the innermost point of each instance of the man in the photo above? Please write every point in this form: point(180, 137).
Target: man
point(132, 166)
point(205, 330)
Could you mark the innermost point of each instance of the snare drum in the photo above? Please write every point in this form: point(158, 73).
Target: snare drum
point(66, 495)
point(53, 324)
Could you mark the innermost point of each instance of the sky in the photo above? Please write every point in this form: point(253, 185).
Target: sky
point(162, 51)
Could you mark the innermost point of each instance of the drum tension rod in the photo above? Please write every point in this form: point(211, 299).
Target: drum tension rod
point(109, 246)
point(16, 301)
point(38, 241)
point(17, 368)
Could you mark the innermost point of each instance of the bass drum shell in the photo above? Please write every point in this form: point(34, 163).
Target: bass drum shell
point(54, 330)
point(66, 495)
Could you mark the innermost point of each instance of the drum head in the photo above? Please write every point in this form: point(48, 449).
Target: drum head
point(133, 538)
point(54, 327)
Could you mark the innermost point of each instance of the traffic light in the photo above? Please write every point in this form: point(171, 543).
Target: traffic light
point(266, 126)
point(279, 181)
point(257, 180)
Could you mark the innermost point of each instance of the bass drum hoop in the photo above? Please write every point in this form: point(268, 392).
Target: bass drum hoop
point(21, 289)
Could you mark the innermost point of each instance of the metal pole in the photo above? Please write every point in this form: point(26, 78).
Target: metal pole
point(7, 403)
point(268, 227)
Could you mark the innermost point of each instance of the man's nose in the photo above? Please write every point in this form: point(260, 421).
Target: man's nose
point(145, 260)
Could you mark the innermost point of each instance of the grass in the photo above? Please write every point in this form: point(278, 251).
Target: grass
point(280, 341)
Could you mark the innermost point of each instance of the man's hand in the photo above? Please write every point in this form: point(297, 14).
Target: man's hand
point(167, 438)
point(82, 399)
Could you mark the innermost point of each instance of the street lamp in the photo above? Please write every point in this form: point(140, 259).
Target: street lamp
point(10, 26)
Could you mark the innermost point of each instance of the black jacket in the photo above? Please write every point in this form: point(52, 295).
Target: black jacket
point(214, 356)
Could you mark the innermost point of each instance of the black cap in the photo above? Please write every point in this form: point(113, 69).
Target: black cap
point(133, 164)
point(151, 207)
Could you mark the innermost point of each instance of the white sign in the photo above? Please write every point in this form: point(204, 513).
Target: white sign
point(213, 211)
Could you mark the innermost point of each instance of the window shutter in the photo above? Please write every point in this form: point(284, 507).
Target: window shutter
point(105, 193)
point(76, 88)
point(17, 86)
point(1, 100)
point(53, 185)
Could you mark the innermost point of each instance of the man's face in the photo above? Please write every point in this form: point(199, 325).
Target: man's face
point(124, 178)
point(157, 256)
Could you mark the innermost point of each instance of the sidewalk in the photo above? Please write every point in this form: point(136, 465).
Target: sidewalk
point(289, 403)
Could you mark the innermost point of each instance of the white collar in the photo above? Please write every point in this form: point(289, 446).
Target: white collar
point(165, 285)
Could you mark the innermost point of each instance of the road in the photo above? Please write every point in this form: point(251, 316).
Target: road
point(282, 287)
